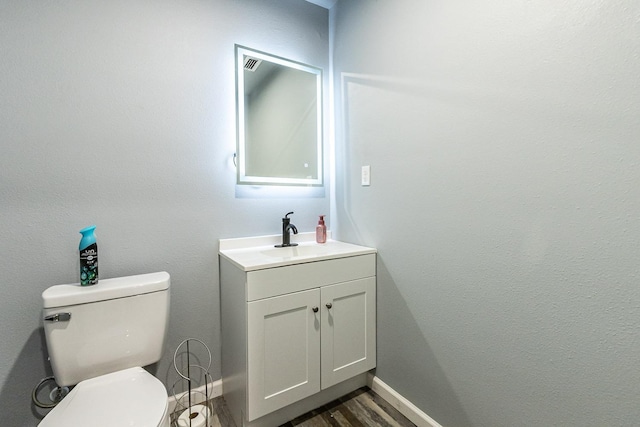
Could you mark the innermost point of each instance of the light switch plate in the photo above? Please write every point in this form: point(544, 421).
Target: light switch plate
point(366, 175)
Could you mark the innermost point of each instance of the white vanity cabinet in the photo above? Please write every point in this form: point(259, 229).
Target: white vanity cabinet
point(294, 334)
point(303, 342)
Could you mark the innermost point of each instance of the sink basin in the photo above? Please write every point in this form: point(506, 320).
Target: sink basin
point(296, 251)
point(256, 253)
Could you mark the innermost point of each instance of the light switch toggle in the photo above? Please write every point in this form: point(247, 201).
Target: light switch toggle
point(366, 175)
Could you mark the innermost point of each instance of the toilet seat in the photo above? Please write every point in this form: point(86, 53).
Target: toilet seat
point(131, 397)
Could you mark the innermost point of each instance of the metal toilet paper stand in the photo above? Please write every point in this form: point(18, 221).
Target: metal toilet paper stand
point(193, 406)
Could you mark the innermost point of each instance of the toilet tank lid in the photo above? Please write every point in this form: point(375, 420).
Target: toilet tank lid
point(105, 289)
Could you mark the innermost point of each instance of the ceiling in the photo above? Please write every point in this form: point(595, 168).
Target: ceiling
point(327, 4)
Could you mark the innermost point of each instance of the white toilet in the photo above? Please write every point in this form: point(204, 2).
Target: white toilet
point(98, 338)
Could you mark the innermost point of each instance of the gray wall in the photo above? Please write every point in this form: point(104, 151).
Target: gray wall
point(504, 144)
point(122, 114)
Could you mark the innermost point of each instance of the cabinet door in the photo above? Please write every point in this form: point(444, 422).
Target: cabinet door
point(348, 330)
point(283, 351)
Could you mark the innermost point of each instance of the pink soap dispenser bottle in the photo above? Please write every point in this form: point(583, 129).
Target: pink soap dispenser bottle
point(321, 231)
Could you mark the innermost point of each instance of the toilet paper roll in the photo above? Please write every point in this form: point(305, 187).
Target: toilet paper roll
point(196, 416)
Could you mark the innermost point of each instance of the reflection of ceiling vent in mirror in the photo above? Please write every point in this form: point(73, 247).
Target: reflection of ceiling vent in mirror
point(251, 64)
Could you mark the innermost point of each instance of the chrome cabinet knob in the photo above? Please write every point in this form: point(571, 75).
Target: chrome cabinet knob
point(315, 309)
point(329, 305)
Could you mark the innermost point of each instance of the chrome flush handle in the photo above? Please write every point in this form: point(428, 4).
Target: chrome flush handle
point(58, 317)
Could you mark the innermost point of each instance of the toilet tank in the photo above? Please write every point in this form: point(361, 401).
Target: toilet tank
point(116, 324)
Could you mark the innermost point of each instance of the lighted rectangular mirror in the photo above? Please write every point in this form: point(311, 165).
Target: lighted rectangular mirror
point(279, 115)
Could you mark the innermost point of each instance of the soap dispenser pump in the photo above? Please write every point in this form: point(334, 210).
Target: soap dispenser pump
point(321, 231)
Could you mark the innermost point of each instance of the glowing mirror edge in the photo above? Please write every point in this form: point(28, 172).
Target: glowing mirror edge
point(244, 179)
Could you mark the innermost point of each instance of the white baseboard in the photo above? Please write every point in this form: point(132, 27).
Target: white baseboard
point(198, 395)
point(406, 408)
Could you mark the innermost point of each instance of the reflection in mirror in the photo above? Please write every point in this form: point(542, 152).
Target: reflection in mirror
point(279, 120)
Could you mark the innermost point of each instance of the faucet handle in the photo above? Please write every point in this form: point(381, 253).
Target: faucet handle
point(287, 215)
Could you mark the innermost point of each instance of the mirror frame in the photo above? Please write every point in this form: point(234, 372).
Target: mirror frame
point(242, 177)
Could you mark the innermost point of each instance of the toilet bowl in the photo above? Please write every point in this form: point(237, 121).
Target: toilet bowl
point(131, 397)
point(98, 338)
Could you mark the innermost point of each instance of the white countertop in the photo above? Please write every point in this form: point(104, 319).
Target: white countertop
point(257, 253)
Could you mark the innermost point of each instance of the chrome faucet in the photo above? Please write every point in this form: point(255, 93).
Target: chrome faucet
point(286, 228)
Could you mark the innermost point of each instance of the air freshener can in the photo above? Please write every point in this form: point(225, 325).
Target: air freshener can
point(88, 257)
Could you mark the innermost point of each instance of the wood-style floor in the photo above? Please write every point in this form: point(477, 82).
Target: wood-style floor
point(361, 408)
